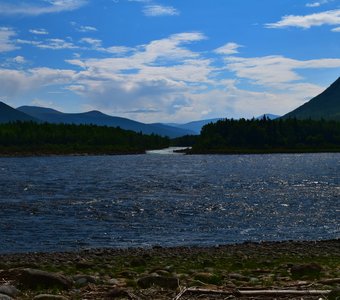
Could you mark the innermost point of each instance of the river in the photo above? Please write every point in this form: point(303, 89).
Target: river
point(69, 203)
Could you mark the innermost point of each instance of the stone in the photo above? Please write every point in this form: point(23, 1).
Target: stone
point(82, 280)
point(310, 271)
point(49, 297)
point(113, 281)
point(35, 279)
point(5, 297)
point(146, 282)
point(9, 290)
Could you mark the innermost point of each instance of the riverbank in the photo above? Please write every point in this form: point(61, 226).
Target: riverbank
point(239, 151)
point(162, 273)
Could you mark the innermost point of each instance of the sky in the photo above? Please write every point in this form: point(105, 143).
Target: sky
point(168, 60)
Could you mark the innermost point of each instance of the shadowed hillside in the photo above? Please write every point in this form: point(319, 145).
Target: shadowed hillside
point(9, 114)
point(324, 106)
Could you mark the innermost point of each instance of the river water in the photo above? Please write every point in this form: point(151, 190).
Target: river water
point(70, 203)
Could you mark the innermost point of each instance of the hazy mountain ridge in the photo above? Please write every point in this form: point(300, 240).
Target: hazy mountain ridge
point(324, 106)
point(98, 118)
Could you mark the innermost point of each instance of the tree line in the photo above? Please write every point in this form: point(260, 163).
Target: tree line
point(267, 135)
point(31, 137)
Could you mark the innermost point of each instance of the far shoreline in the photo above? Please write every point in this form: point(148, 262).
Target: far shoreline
point(187, 151)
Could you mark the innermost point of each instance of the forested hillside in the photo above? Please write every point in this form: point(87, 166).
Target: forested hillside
point(229, 136)
point(35, 138)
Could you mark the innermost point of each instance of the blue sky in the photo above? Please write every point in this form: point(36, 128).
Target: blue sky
point(168, 60)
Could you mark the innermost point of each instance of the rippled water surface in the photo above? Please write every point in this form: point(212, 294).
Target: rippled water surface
point(67, 203)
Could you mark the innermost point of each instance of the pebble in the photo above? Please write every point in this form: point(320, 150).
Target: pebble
point(9, 290)
point(33, 279)
point(82, 280)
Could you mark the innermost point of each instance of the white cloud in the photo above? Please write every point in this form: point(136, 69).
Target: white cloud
point(313, 4)
point(331, 17)
point(275, 71)
point(82, 28)
point(39, 31)
point(31, 9)
point(160, 10)
point(56, 44)
point(6, 43)
point(318, 3)
point(19, 82)
point(19, 59)
point(227, 49)
point(87, 29)
point(91, 41)
point(166, 80)
point(337, 29)
point(52, 44)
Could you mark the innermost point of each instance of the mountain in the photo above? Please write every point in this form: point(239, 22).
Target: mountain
point(98, 118)
point(324, 106)
point(195, 126)
point(9, 114)
point(268, 116)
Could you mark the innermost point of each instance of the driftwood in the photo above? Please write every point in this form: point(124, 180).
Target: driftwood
point(330, 281)
point(180, 294)
point(254, 292)
point(283, 293)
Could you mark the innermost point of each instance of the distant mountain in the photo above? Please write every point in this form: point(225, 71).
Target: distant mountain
point(97, 118)
point(268, 116)
point(195, 126)
point(324, 106)
point(9, 114)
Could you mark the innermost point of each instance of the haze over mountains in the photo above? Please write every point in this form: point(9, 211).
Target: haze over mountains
point(324, 106)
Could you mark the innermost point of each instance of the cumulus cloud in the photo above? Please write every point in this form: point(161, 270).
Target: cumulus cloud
point(155, 10)
point(6, 42)
point(165, 75)
point(337, 29)
point(166, 80)
point(29, 8)
point(19, 82)
point(331, 17)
